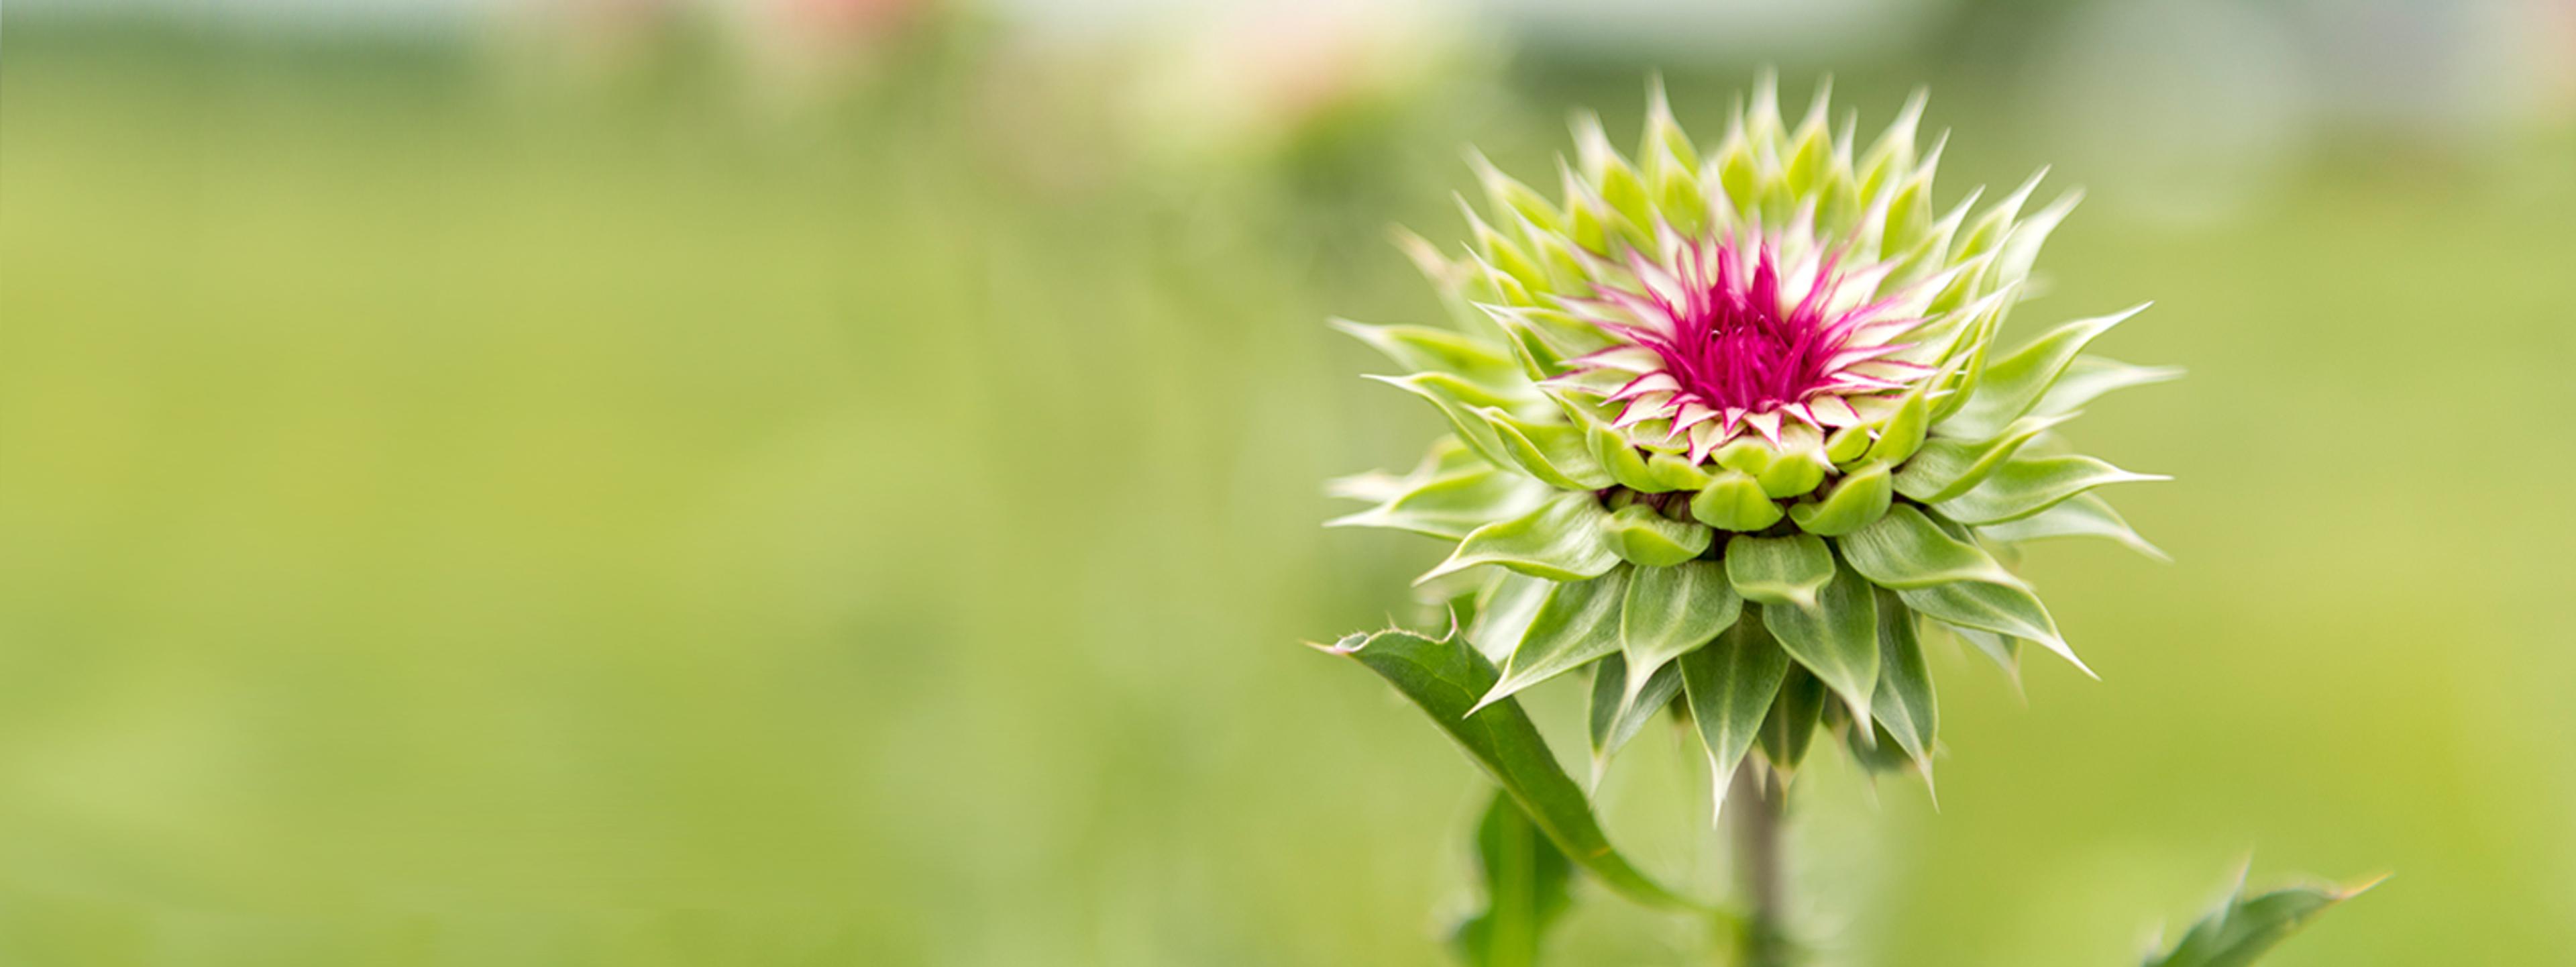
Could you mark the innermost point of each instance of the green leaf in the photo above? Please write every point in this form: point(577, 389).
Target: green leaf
point(1904, 702)
point(1554, 452)
point(1501, 253)
point(2085, 515)
point(1730, 685)
point(1837, 639)
point(1560, 541)
point(1442, 503)
point(1996, 608)
point(1577, 625)
point(1616, 715)
point(1734, 501)
point(2009, 387)
point(1671, 610)
point(1669, 472)
point(1504, 610)
point(1861, 497)
point(1747, 454)
point(1524, 883)
point(1874, 748)
point(1620, 184)
point(2028, 485)
point(2242, 929)
point(1793, 474)
point(1444, 677)
point(1543, 337)
point(1904, 432)
point(1458, 400)
point(1791, 724)
point(1506, 194)
point(1779, 570)
point(1906, 550)
point(1422, 348)
point(1847, 445)
point(2003, 650)
point(2089, 377)
point(1642, 536)
point(1946, 468)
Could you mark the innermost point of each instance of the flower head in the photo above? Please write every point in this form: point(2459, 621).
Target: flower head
point(1739, 420)
point(1720, 339)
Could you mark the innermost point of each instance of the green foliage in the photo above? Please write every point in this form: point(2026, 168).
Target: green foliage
point(1779, 570)
point(1560, 541)
point(1616, 715)
point(1444, 677)
point(1823, 530)
point(1836, 637)
point(1524, 883)
point(1578, 623)
point(1905, 551)
point(1731, 685)
point(2242, 928)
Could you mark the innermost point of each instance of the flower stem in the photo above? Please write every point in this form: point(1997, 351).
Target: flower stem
point(1756, 811)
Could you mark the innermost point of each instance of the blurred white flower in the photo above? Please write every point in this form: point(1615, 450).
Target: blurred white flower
point(1248, 81)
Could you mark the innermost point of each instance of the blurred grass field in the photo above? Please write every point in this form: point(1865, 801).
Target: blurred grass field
point(448, 520)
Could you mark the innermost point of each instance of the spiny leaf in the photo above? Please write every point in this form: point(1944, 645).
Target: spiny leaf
point(1422, 348)
point(1793, 474)
point(1616, 716)
point(1906, 551)
point(1734, 501)
point(1861, 497)
point(1448, 504)
point(1505, 194)
point(2084, 515)
point(1994, 607)
point(1504, 610)
point(1648, 539)
point(1577, 625)
point(1904, 431)
point(1730, 684)
point(1560, 541)
point(1779, 570)
point(2089, 377)
point(1554, 452)
point(1946, 468)
point(1444, 677)
point(1791, 724)
point(1670, 611)
point(2009, 387)
point(1905, 703)
point(1837, 638)
point(1457, 400)
point(2004, 651)
point(2028, 485)
point(2243, 928)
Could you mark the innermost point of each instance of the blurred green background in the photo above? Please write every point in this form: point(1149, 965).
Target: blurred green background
point(825, 482)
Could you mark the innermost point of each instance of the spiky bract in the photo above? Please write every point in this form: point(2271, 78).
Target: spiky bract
point(1728, 426)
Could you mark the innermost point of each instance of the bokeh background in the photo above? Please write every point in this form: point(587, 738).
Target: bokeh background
point(836, 481)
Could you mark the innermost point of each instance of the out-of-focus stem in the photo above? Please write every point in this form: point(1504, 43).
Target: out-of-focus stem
point(1756, 814)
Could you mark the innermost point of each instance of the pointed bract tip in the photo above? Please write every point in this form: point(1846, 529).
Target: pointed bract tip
point(1345, 645)
point(2364, 885)
point(1496, 694)
point(1820, 106)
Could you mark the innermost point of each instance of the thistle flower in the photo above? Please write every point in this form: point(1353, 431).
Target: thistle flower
point(1728, 428)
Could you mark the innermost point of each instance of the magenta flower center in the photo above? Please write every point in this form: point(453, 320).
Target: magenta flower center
point(1735, 344)
point(1725, 338)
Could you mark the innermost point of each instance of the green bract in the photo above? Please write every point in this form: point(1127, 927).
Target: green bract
point(1728, 425)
